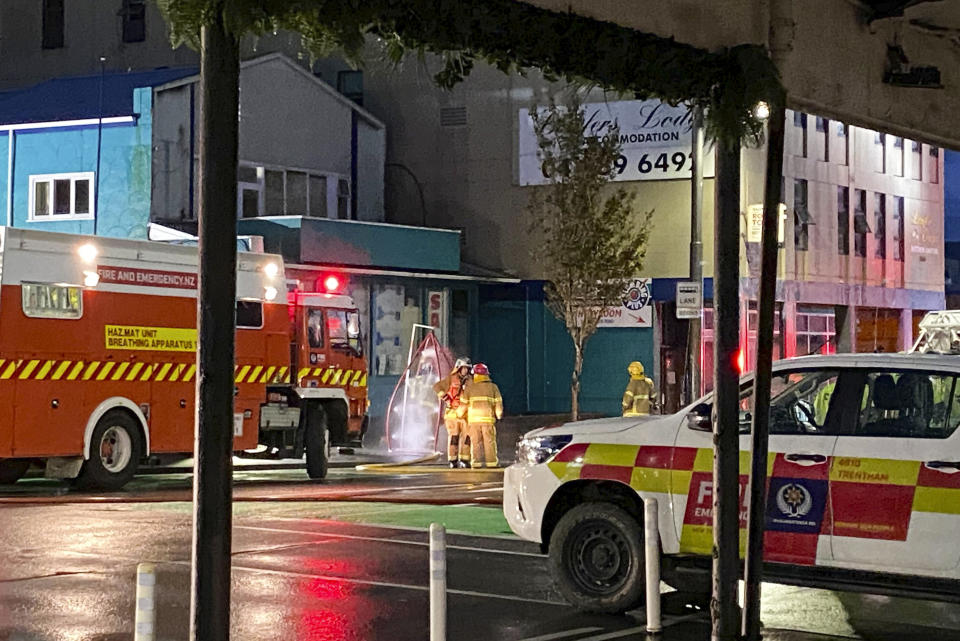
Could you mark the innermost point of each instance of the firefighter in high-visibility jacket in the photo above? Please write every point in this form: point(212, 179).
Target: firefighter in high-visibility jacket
point(450, 390)
point(639, 396)
point(483, 406)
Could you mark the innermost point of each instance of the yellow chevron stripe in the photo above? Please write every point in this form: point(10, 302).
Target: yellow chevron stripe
point(147, 372)
point(316, 372)
point(118, 373)
point(26, 371)
point(282, 376)
point(255, 374)
point(134, 371)
point(105, 371)
point(162, 374)
point(2, 361)
point(345, 376)
point(268, 375)
point(177, 371)
point(91, 368)
point(303, 372)
point(11, 368)
point(42, 374)
point(242, 374)
point(190, 372)
point(363, 381)
point(327, 374)
point(356, 377)
point(64, 365)
point(75, 372)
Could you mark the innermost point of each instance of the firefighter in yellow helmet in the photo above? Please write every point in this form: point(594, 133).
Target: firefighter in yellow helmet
point(639, 396)
point(450, 390)
point(483, 406)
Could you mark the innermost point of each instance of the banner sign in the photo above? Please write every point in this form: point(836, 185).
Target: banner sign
point(636, 309)
point(655, 140)
point(146, 277)
point(157, 339)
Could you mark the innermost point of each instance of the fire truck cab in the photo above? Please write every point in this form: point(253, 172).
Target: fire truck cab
point(98, 347)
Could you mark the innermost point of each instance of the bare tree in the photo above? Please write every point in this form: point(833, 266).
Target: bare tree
point(591, 241)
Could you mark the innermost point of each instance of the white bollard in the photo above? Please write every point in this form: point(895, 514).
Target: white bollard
point(651, 544)
point(438, 582)
point(145, 619)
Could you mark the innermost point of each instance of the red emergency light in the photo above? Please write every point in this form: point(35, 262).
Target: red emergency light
point(741, 361)
point(330, 284)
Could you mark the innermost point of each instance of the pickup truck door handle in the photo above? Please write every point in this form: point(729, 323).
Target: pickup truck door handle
point(947, 467)
point(809, 459)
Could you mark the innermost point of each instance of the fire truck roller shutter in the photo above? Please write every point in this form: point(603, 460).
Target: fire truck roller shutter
point(104, 407)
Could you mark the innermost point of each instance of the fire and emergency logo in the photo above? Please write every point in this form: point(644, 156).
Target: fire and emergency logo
point(794, 501)
point(796, 505)
point(637, 294)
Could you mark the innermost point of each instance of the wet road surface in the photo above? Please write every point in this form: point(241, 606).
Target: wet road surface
point(67, 572)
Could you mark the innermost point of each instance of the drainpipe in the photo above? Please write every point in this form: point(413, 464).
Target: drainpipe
point(96, 191)
point(11, 145)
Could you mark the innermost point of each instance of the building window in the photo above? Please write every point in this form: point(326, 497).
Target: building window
point(823, 128)
point(800, 120)
point(934, 164)
point(267, 191)
point(843, 220)
point(52, 24)
point(61, 196)
point(916, 160)
point(898, 228)
point(801, 216)
point(860, 226)
point(880, 225)
point(880, 153)
point(843, 146)
point(134, 15)
point(816, 331)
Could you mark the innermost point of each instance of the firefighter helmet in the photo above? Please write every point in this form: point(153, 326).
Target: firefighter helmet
point(481, 369)
point(462, 362)
point(635, 368)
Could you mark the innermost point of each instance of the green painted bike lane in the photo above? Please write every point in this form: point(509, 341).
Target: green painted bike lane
point(465, 519)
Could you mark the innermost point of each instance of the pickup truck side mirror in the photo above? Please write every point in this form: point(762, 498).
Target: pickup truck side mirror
point(699, 418)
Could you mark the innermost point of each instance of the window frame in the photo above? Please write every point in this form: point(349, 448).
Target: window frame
point(859, 376)
point(260, 186)
point(880, 225)
point(73, 177)
point(49, 40)
point(801, 215)
point(252, 301)
point(34, 314)
point(130, 31)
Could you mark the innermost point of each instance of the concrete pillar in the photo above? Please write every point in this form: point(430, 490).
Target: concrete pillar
point(846, 330)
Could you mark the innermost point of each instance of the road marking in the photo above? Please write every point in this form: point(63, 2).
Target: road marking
point(561, 635)
point(615, 635)
point(354, 537)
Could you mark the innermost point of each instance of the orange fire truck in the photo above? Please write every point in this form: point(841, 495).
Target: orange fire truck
point(98, 349)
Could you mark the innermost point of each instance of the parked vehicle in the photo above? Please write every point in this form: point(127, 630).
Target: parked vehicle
point(864, 485)
point(98, 348)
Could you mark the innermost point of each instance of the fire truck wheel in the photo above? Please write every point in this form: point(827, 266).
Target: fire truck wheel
point(11, 470)
point(115, 450)
point(315, 443)
point(596, 557)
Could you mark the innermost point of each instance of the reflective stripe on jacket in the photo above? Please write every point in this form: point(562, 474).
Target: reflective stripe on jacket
point(482, 402)
point(638, 397)
point(453, 385)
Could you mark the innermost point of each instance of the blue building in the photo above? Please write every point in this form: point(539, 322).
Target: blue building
point(78, 153)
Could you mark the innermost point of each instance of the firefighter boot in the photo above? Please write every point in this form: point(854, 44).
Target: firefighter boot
point(465, 446)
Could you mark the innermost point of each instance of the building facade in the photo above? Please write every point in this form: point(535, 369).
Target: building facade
point(861, 256)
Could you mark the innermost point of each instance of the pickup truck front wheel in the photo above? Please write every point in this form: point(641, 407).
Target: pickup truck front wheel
point(596, 557)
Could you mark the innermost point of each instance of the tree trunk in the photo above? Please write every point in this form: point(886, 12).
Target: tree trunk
point(575, 380)
point(216, 310)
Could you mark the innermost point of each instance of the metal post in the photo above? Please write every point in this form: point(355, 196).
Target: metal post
point(145, 619)
point(651, 553)
point(726, 454)
point(96, 178)
point(696, 252)
point(753, 573)
point(438, 582)
point(216, 302)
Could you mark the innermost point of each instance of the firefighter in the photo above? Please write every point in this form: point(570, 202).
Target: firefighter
point(639, 396)
point(450, 390)
point(482, 406)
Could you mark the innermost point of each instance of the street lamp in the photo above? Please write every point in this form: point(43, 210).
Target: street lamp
point(761, 111)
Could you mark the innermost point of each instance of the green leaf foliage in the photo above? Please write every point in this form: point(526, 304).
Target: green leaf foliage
point(513, 36)
point(590, 240)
